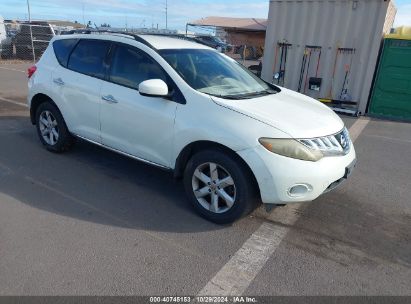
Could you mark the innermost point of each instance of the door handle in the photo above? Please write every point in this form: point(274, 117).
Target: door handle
point(58, 81)
point(109, 99)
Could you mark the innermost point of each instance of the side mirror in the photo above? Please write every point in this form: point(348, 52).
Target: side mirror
point(153, 88)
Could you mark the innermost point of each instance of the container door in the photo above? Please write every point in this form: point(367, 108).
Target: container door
point(391, 95)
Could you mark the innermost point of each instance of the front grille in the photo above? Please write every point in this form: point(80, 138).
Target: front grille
point(337, 144)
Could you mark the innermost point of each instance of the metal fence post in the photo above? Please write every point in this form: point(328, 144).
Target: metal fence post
point(31, 32)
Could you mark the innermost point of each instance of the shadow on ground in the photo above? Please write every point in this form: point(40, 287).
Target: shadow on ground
point(92, 184)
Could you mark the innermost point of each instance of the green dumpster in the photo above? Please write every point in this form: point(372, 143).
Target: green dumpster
point(391, 93)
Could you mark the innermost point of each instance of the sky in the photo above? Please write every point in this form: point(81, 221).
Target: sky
point(404, 13)
point(137, 13)
point(148, 13)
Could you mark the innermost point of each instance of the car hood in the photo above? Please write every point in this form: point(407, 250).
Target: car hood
point(298, 115)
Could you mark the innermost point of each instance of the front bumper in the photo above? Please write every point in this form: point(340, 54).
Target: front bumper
point(277, 175)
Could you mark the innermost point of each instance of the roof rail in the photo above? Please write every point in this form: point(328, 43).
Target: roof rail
point(134, 36)
point(177, 36)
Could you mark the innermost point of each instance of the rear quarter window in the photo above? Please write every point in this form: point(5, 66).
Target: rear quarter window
point(62, 49)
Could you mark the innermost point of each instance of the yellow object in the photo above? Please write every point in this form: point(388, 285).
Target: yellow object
point(402, 32)
point(324, 100)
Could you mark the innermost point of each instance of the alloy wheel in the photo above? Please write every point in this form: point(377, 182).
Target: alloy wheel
point(48, 128)
point(214, 187)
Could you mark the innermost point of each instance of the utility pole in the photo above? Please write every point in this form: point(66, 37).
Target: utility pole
point(166, 15)
point(82, 7)
point(31, 31)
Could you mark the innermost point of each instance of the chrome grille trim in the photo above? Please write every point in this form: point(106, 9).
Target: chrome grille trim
point(337, 144)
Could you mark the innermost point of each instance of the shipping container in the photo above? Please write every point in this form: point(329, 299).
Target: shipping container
point(326, 49)
point(391, 94)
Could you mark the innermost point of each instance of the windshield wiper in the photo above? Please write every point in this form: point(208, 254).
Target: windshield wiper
point(225, 96)
point(246, 95)
point(249, 95)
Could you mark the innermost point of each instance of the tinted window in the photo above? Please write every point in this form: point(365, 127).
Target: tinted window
point(131, 66)
point(62, 49)
point(88, 57)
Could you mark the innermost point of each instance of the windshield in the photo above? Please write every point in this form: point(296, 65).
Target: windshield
point(210, 72)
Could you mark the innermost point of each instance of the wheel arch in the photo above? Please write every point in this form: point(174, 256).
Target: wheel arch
point(194, 147)
point(36, 101)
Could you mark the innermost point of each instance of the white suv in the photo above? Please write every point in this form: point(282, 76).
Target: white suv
point(182, 106)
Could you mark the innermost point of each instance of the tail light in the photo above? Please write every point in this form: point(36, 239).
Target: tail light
point(31, 70)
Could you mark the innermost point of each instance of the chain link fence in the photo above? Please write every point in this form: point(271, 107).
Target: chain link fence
point(248, 55)
point(24, 41)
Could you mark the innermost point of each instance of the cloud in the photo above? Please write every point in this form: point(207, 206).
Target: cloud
point(135, 13)
point(146, 12)
point(182, 11)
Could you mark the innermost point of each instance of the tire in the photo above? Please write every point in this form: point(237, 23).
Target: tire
point(50, 121)
point(23, 53)
point(241, 194)
point(248, 53)
point(259, 52)
point(7, 52)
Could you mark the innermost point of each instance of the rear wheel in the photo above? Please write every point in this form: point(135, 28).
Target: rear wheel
point(52, 129)
point(219, 187)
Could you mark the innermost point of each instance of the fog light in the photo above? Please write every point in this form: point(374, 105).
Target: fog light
point(299, 190)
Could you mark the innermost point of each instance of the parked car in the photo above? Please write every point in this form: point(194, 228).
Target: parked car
point(6, 47)
point(214, 42)
point(184, 107)
point(78, 31)
point(42, 33)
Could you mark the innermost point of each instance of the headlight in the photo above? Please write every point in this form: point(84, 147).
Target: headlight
point(290, 148)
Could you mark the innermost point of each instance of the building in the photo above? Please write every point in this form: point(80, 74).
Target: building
point(235, 31)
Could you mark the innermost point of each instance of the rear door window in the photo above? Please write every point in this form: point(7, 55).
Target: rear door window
point(88, 57)
point(62, 49)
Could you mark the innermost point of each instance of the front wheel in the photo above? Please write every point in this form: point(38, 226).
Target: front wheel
point(219, 186)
